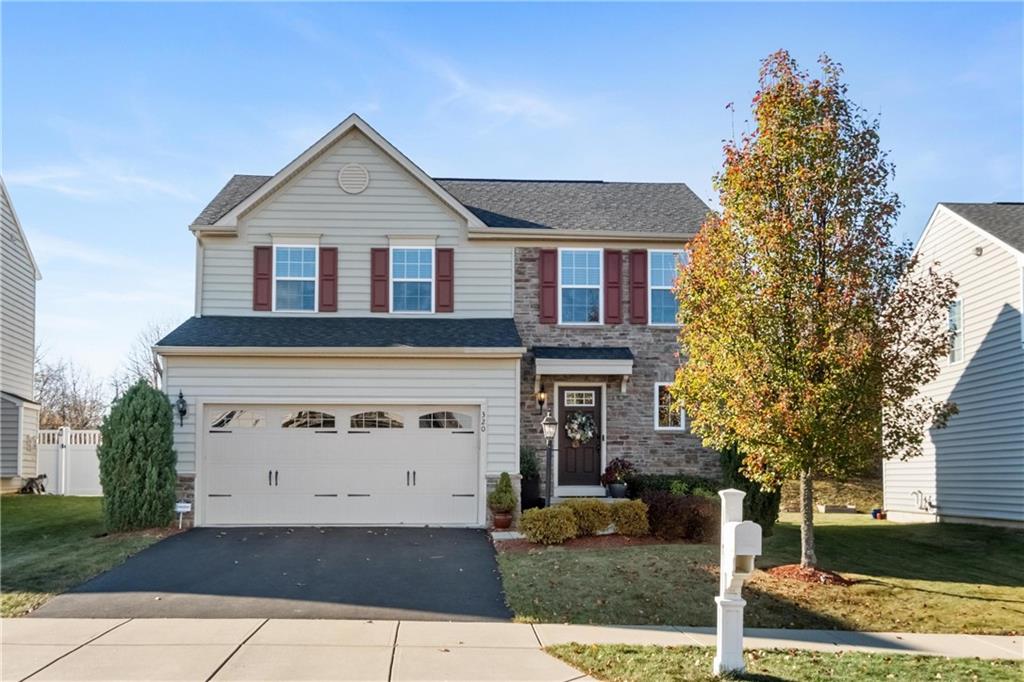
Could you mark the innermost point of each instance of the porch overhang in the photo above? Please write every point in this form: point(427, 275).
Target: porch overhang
point(582, 361)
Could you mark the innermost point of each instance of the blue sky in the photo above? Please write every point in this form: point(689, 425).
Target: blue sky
point(120, 121)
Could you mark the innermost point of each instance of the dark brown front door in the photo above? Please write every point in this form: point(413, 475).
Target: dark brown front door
point(579, 461)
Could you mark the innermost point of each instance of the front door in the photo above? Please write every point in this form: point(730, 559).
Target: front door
point(579, 435)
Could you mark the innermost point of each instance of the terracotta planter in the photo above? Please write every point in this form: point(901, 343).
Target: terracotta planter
point(502, 520)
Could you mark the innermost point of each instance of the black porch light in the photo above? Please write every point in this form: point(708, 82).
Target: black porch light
point(182, 407)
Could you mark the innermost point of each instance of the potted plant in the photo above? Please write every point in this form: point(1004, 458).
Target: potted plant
point(502, 500)
point(530, 471)
point(614, 476)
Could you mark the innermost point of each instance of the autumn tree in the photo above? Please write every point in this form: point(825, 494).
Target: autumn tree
point(805, 326)
point(67, 394)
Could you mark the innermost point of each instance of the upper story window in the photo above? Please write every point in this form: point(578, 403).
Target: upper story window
point(295, 278)
point(956, 331)
point(666, 417)
point(579, 284)
point(412, 280)
point(663, 266)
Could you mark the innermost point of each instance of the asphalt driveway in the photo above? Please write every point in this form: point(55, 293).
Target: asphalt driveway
point(354, 573)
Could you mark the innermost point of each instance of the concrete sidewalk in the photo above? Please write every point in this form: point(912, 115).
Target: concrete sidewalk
point(259, 649)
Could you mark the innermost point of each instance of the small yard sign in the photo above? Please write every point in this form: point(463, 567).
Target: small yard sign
point(182, 508)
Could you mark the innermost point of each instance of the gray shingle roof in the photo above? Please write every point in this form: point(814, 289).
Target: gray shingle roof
point(582, 353)
point(581, 205)
point(344, 332)
point(540, 204)
point(231, 195)
point(1004, 221)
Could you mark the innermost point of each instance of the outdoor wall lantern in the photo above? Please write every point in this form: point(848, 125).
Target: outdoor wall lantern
point(542, 398)
point(182, 408)
point(549, 425)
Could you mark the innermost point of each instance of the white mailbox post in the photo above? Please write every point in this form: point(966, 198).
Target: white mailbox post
point(741, 542)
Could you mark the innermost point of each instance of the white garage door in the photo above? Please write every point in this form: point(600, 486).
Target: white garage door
point(332, 464)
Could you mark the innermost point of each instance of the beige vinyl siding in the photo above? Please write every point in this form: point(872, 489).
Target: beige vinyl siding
point(29, 439)
point(974, 468)
point(17, 307)
point(10, 434)
point(355, 381)
point(394, 205)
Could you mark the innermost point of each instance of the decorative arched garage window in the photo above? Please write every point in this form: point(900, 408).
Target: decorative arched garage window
point(238, 419)
point(444, 420)
point(376, 420)
point(308, 419)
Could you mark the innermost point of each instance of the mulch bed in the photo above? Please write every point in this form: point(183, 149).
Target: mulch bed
point(808, 575)
point(589, 542)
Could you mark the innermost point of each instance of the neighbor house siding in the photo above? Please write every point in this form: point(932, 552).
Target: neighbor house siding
point(17, 307)
point(393, 205)
point(10, 433)
point(974, 468)
point(352, 381)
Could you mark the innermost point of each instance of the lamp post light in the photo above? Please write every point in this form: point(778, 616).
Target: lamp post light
point(550, 426)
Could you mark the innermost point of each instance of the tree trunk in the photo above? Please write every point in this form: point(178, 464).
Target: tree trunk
point(807, 557)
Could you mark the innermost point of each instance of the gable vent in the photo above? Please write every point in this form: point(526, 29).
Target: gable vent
point(353, 178)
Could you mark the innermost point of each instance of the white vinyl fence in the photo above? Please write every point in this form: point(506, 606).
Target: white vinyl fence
point(68, 458)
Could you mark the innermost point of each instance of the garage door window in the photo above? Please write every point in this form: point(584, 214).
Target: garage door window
point(444, 420)
point(238, 419)
point(376, 420)
point(308, 419)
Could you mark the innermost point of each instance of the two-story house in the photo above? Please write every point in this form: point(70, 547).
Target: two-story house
point(19, 412)
point(973, 469)
point(372, 345)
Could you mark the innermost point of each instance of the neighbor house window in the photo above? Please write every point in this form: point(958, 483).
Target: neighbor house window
point(412, 280)
point(956, 330)
point(667, 418)
point(375, 420)
point(308, 419)
point(663, 266)
point(579, 282)
point(295, 278)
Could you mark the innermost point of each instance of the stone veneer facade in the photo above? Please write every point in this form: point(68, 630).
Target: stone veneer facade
point(629, 431)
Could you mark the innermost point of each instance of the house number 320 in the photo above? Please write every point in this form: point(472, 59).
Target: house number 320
point(483, 421)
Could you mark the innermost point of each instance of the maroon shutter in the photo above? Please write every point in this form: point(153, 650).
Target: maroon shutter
point(612, 287)
point(378, 280)
point(328, 279)
point(444, 281)
point(638, 287)
point(262, 276)
point(547, 263)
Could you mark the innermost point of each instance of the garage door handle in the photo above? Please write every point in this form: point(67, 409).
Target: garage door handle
point(406, 478)
point(414, 478)
point(275, 477)
point(270, 477)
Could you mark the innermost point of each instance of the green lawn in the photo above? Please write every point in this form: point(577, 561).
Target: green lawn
point(912, 578)
point(676, 664)
point(49, 544)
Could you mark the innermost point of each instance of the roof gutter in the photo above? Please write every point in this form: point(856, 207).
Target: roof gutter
point(548, 234)
point(341, 351)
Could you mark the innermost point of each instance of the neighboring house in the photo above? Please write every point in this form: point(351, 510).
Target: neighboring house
point(973, 470)
point(370, 344)
point(19, 413)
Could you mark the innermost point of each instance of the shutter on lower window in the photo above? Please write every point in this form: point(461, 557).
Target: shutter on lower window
point(613, 287)
point(638, 286)
point(444, 281)
point(378, 280)
point(547, 263)
point(262, 277)
point(328, 279)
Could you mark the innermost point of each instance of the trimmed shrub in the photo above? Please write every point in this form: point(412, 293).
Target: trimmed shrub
point(681, 517)
point(137, 460)
point(760, 506)
point(528, 466)
point(681, 484)
point(549, 526)
point(630, 518)
point(503, 498)
point(592, 515)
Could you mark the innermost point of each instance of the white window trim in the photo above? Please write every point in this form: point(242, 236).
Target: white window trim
point(651, 287)
point(316, 279)
point(657, 406)
point(432, 280)
point(600, 288)
point(960, 333)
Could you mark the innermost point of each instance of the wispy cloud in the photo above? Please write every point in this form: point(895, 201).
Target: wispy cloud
point(91, 178)
point(51, 248)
